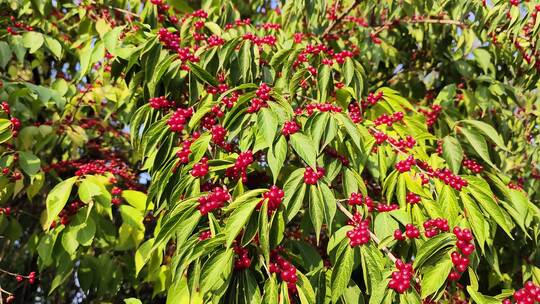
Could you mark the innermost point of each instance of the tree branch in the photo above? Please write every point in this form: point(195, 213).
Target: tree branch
point(340, 18)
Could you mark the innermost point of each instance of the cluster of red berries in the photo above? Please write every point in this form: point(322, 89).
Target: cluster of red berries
point(270, 26)
point(31, 277)
point(185, 151)
point(220, 89)
point(238, 23)
point(359, 235)
point(472, 165)
point(354, 112)
point(68, 211)
point(358, 20)
point(529, 294)
point(342, 56)
point(435, 226)
point(411, 232)
point(371, 99)
point(229, 101)
point(218, 135)
point(445, 175)
point(357, 199)
point(263, 95)
point(274, 196)
point(4, 106)
point(102, 166)
point(215, 40)
point(388, 120)
point(310, 49)
point(17, 25)
point(269, 40)
point(380, 137)
point(15, 126)
point(334, 153)
point(515, 186)
point(116, 192)
point(204, 235)
point(401, 279)
point(171, 41)
point(160, 102)
point(200, 169)
point(386, 208)
point(439, 149)
point(450, 178)
point(242, 260)
point(213, 200)
point(311, 177)
point(321, 107)
point(403, 145)
point(431, 115)
point(285, 269)
point(240, 166)
point(178, 119)
point(15, 175)
point(412, 198)
point(466, 247)
point(290, 127)
point(406, 164)
point(6, 211)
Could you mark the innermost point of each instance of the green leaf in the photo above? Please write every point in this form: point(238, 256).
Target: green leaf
point(135, 198)
point(244, 59)
point(30, 163)
point(487, 130)
point(303, 146)
point(351, 128)
point(215, 268)
point(271, 291)
point(56, 200)
point(316, 210)
point(276, 156)
point(478, 143)
point(202, 74)
point(452, 153)
point(385, 225)
point(482, 193)
point(483, 57)
point(268, 124)
point(54, 46)
point(238, 219)
point(342, 272)
point(475, 218)
point(181, 223)
point(5, 54)
point(435, 276)
point(323, 82)
point(132, 301)
point(348, 71)
point(480, 298)
point(32, 41)
point(432, 247)
point(329, 202)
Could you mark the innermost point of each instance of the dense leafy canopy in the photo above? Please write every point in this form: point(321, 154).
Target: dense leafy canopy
point(310, 151)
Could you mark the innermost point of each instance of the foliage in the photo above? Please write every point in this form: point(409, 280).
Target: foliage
point(269, 152)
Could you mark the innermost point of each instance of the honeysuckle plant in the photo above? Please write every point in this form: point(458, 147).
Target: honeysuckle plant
point(170, 151)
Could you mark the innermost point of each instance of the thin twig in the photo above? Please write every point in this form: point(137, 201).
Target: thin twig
point(340, 18)
point(385, 249)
